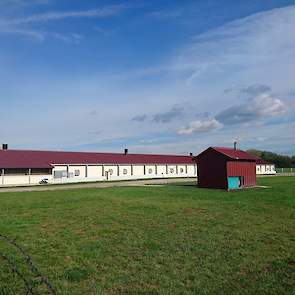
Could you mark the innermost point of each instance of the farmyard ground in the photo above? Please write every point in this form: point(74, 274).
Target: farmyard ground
point(174, 239)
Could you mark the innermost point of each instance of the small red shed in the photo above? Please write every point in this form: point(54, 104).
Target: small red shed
point(226, 168)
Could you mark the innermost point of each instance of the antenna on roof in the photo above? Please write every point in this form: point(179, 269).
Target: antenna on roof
point(125, 151)
point(235, 145)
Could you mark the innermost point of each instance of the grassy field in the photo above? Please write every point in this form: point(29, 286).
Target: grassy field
point(154, 240)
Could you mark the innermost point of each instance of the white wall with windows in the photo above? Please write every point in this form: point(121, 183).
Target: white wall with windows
point(100, 172)
point(265, 169)
point(81, 173)
point(95, 172)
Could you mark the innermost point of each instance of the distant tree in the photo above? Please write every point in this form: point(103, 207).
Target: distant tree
point(281, 161)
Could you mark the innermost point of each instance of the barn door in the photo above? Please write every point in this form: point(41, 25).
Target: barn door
point(234, 182)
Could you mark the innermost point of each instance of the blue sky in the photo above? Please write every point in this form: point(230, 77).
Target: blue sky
point(153, 76)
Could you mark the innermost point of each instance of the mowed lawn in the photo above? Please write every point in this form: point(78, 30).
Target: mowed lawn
point(154, 240)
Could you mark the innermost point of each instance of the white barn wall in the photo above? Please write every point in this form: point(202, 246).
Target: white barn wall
point(23, 179)
point(172, 171)
point(79, 168)
point(110, 172)
point(161, 170)
point(16, 179)
point(150, 171)
point(127, 169)
point(138, 170)
point(191, 170)
point(35, 179)
point(181, 170)
point(94, 172)
point(265, 169)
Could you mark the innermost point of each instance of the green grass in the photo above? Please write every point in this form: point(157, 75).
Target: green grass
point(175, 239)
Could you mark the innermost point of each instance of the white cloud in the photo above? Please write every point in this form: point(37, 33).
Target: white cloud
point(67, 38)
point(20, 3)
point(240, 47)
point(24, 25)
point(103, 12)
point(198, 126)
point(32, 34)
point(40, 35)
point(260, 107)
point(267, 105)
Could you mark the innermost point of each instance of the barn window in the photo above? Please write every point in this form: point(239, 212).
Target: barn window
point(40, 171)
point(171, 170)
point(150, 171)
point(125, 171)
point(60, 174)
point(77, 172)
point(16, 171)
point(111, 171)
point(181, 170)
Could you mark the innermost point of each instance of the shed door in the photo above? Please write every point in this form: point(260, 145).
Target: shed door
point(234, 182)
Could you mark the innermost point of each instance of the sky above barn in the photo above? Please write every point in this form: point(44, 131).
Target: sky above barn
point(152, 76)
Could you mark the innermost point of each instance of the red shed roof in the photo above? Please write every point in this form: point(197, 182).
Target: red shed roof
point(232, 153)
point(235, 154)
point(46, 159)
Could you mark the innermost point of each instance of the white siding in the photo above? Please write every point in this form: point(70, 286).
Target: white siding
point(161, 169)
point(23, 179)
point(125, 171)
point(17, 179)
point(181, 170)
point(172, 170)
point(111, 171)
point(77, 171)
point(35, 179)
point(191, 170)
point(150, 171)
point(265, 169)
point(138, 171)
point(94, 172)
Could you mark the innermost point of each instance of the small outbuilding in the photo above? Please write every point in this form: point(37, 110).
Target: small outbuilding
point(226, 168)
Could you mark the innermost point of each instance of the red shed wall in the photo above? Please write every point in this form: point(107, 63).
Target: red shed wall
point(243, 168)
point(212, 170)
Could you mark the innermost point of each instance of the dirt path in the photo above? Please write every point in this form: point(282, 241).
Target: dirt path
point(41, 188)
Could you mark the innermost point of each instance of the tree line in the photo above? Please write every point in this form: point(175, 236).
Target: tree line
point(281, 161)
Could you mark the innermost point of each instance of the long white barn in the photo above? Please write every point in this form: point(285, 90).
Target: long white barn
point(20, 167)
point(24, 167)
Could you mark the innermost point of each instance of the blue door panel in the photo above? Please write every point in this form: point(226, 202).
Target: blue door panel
point(233, 182)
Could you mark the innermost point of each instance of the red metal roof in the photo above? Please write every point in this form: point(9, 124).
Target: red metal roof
point(231, 153)
point(45, 159)
point(234, 154)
